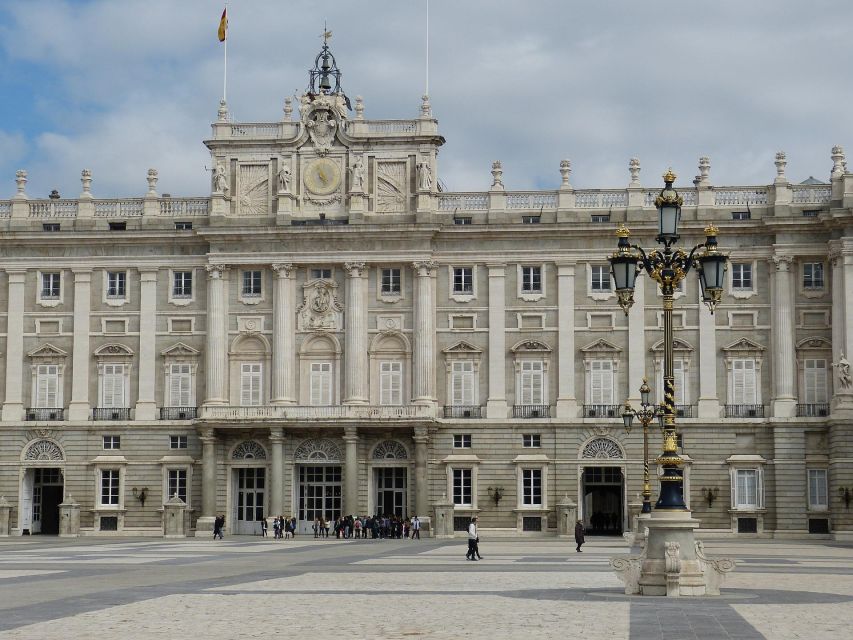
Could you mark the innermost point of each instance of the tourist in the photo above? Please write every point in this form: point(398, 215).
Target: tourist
point(579, 533)
point(276, 528)
point(473, 540)
point(293, 526)
point(357, 527)
point(325, 524)
point(263, 527)
point(416, 528)
point(218, 525)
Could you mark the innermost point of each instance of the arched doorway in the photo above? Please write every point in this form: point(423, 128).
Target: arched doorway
point(602, 487)
point(42, 488)
point(390, 479)
point(318, 481)
point(248, 461)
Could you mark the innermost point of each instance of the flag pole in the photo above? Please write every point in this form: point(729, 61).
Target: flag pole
point(426, 88)
point(225, 61)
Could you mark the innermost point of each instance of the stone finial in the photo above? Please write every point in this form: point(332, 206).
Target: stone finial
point(152, 182)
point(359, 108)
point(21, 182)
point(86, 181)
point(288, 109)
point(497, 175)
point(781, 162)
point(838, 161)
point(565, 172)
point(426, 107)
point(222, 112)
point(634, 169)
point(704, 169)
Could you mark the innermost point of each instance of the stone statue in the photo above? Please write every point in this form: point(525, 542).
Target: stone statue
point(424, 176)
point(843, 367)
point(220, 182)
point(284, 177)
point(357, 175)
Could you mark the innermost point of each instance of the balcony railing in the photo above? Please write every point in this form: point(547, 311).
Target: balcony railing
point(463, 411)
point(684, 410)
point(42, 413)
point(344, 412)
point(814, 410)
point(531, 411)
point(111, 413)
point(744, 410)
point(602, 411)
point(178, 413)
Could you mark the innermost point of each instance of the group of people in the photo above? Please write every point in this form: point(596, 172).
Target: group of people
point(377, 527)
point(283, 528)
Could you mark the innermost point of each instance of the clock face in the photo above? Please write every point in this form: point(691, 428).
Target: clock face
point(322, 176)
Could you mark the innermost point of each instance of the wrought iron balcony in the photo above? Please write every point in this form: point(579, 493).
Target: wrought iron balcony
point(463, 411)
point(42, 413)
point(111, 413)
point(531, 411)
point(602, 411)
point(744, 410)
point(684, 410)
point(813, 410)
point(178, 413)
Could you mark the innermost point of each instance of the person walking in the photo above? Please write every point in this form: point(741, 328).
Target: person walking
point(218, 525)
point(579, 533)
point(473, 539)
point(263, 527)
point(416, 528)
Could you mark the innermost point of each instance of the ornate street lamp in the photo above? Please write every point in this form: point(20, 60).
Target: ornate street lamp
point(646, 414)
point(668, 267)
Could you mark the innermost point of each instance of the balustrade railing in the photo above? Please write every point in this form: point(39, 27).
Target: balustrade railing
point(691, 197)
point(53, 208)
point(111, 413)
point(391, 126)
point(600, 199)
point(531, 411)
point(531, 201)
point(463, 201)
point(741, 196)
point(463, 411)
point(178, 413)
point(118, 208)
point(684, 410)
point(744, 411)
point(602, 411)
point(360, 412)
point(36, 414)
point(255, 130)
point(186, 207)
point(813, 410)
point(5, 209)
point(811, 194)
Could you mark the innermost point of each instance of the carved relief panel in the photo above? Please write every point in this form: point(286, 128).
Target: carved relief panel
point(253, 189)
point(392, 192)
point(320, 308)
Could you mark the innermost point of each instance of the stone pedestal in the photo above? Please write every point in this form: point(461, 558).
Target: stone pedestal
point(635, 533)
point(220, 206)
point(286, 207)
point(5, 511)
point(442, 523)
point(69, 518)
point(173, 518)
point(567, 515)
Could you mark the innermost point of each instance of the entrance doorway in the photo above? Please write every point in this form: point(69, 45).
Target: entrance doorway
point(603, 508)
point(42, 492)
point(250, 489)
point(391, 488)
point(319, 495)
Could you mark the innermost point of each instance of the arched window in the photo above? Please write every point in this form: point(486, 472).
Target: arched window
point(602, 449)
point(43, 451)
point(390, 450)
point(249, 450)
point(318, 450)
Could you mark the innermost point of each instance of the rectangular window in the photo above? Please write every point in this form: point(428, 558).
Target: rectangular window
point(813, 275)
point(811, 213)
point(112, 442)
point(679, 372)
point(744, 387)
point(462, 481)
point(50, 226)
point(531, 279)
point(47, 386)
point(391, 383)
point(601, 382)
point(600, 217)
point(321, 383)
point(531, 480)
point(251, 284)
point(746, 489)
point(182, 286)
point(530, 219)
point(177, 484)
point(741, 215)
point(818, 491)
point(462, 383)
point(742, 276)
point(390, 281)
point(325, 274)
point(531, 440)
point(600, 278)
point(531, 382)
point(112, 386)
point(463, 280)
point(180, 385)
point(50, 285)
point(815, 381)
point(250, 384)
point(183, 226)
point(177, 442)
point(462, 220)
point(116, 284)
point(109, 486)
point(118, 226)
point(461, 440)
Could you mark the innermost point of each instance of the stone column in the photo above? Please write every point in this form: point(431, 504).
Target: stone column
point(351, 471)
point(637, 348)
point(216, 366)
point(146, 403)
point(709, 403)
point(847, 295)
point(842, 397)
point(423, 378)
point(13, 407)
point(356, 373)
point(421, 507)
point(276, 506)
point(78, 408)
point(284, 336)
point(784, 400)
point(496, 406)
point(567, 404)
point(204, 525)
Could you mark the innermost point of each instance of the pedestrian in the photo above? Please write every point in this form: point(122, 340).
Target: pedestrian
point(357, 527)
point(416, 528)
point(263, 527)
point(218, 525)
point(579, 533)
point(293, 526)
point(473, 540)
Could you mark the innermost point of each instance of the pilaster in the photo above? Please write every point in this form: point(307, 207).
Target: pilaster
point(421, 438)
point(355, 336)
point(284, 336)
point(567, 404)
point(204, 525)
point(78, 408)
point(637, 344)
point(496, 406)
point(423, 378)
point(276, 472)
point(217, 335)
point(842, 396)
point(13, 407)
point(146, 404)
point(351, 471)
point(784, 400)
point(709, 402)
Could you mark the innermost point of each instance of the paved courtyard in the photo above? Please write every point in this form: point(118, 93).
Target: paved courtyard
point(255, 588)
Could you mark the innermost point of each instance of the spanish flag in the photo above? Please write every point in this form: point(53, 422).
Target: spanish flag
point(223, 25)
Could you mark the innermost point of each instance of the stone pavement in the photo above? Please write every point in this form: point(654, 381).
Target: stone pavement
point(533, 588)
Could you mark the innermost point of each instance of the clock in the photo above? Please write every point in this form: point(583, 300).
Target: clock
point(322, 176)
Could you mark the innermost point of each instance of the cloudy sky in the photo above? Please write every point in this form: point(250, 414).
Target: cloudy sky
point(118, 87)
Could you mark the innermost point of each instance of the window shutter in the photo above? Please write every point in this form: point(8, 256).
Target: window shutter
point(321, 383)
point(815, 381)
point(113, 385)
point(180, 385)
point(390, 383)
point(601, 382)
point(680, 380)
point(250, 384)
point(47, 386)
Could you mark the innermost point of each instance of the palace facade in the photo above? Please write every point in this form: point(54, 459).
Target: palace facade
point(329, 332)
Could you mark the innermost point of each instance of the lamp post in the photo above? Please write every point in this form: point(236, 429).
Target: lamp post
point(668, 267)
point(646, 414)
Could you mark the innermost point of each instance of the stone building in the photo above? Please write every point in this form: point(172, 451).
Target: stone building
point(329, 332)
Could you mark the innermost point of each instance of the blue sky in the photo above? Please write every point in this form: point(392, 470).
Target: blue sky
point(121, 86)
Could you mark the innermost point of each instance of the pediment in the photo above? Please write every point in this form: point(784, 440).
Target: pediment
point(744, 344)
point(462, 347)
point(601, 345)
point(179, 350)
point(47, 351)
point(526, 346)
point(814, 343)
point(677, 345)
point(114, 350)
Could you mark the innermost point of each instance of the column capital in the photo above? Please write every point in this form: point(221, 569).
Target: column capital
point(782, 263)
point(276, 435)
point(350, 434)
point(495, 267)
point(82, 274)
point(283, 269)
point(354, 269)
point(424, 268)
point(565, 268)
point(421, 435)
point(216, 271)
point(207, 435)
point(148, 274)
point(16, 276)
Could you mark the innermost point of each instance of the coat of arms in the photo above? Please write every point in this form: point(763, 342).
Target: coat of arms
point(320, 309)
